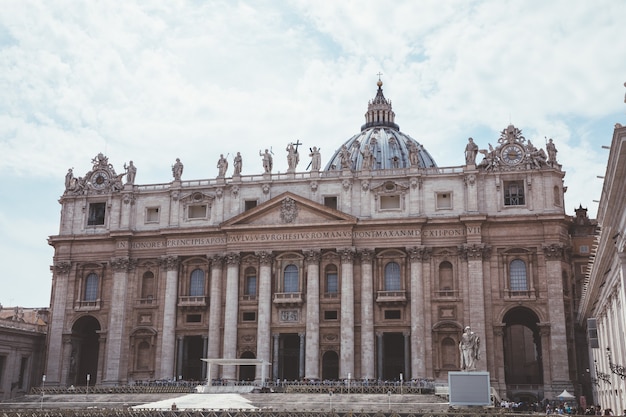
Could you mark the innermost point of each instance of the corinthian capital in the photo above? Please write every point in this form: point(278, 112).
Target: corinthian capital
point(419, 253)
point(312, 256)
point(554, 251)
point(366, 255)
point(346, 254)
point(265, 257)
point(169, 262)
point(123, 264)
point(475, 252)
point(62, 267)
point(232, 258)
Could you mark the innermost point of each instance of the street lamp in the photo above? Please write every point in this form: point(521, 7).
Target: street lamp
point(43, 386)
point(617, 369)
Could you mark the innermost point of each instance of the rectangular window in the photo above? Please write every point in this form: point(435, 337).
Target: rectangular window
point(393, 314)
point(331, 202)
point(248, 316)
point(514, 193)
point(330, 315)
point(152, 215)
point(194, 318)
point(197, 211)
point(444, 201)
point(250, 204)
point(97, 212)
point(389, 202)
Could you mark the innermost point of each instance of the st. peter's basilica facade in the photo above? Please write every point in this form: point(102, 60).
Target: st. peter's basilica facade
point(368, 268)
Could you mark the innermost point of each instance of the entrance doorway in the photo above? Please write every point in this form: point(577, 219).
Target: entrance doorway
point(289, 357)
point(330, 366)
point(85, 350)
point(393, 356)
point(193, 347)
point(247, 372)
point(522, 347)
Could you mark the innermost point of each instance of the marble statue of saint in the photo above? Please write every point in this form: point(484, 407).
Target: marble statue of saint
point(131, 172)
point(471, 150)
point(413, 154)
point(292, 158)
point(368, 158)
point(345, 157)
point(267, 161)
point(551, 152)
point(316, 159)
point(469, 347)
point(222, 166)
point(70, 181)
point(177, 169)
point(237, 164)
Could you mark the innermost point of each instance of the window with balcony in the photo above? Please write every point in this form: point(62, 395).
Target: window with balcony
point(290, 279)
point(91, 288)
point(446, 280)
point(250, 284)
point(147, 287)
point(196, 283)
point(392, 277)
point(332, 282)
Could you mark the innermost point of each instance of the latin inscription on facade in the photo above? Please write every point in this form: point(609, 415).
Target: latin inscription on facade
point(301, 236)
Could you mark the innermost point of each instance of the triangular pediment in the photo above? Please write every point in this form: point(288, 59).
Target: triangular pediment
point(288, 209)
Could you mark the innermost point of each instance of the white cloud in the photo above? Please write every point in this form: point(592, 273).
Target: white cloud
point(155, 81)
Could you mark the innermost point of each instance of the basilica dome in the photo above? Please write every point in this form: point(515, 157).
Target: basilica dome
point(380, 145)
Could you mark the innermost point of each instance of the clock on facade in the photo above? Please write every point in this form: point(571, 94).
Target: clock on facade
point(99, 179)
point(512, 154)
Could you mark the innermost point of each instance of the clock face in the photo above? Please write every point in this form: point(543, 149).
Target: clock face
point(99, 179)
point(512, 154)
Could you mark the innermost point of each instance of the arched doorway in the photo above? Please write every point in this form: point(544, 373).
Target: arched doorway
point(330, 366)
point(247, 372)
point(522, 348)
point(85, 350)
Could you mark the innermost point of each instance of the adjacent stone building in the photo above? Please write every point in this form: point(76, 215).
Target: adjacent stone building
point(369, 268)
point(22, 349)
point(602, 308)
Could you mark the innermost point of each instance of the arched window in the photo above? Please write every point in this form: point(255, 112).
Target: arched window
point(290, 279)
point(332, 282)
point(143, 356)
point(196, 283)
point(449, 354)
point(147, 285)
point(446, 279)
point(91, 287)
point(517, 274)
point(392, 277)
point(250, 283)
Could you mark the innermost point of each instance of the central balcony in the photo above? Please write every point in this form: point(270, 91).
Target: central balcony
point(288, 298)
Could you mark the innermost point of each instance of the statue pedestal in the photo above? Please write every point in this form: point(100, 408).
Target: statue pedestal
point(469, 388)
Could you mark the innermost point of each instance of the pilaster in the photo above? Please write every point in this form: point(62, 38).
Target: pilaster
point(231, 314)
point(215, 307)
point(61, 271)
point(264, 310)
point(417, 255)
point(168, 338)
point(312, 349)
point(346, 357)
point(368, 362)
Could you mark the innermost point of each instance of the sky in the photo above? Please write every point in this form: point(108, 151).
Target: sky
point(152, 81)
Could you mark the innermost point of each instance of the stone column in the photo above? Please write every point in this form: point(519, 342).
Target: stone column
point(418, 329)
point(312, 361)
point(379, 354)
point(554, 255)
point(205, 348)
point(544, 332)
point(346, 358)
point(276, 337)
point(367, 315)
point(498, 364)
point(61, 271)
point(475, 253)
point(117, 352)
point(407, 361)
point(301, 358)
point(231, 315)
point(264, 319)
point(180, 357)
point(215, 311)
point(168, 338)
